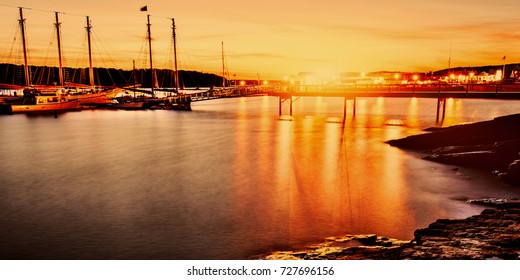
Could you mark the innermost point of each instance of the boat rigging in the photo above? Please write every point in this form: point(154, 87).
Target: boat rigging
point(24, 42)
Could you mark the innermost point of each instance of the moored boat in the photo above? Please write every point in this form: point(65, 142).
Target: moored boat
point(36, 103)
point(129, 103)
point(134, 105)
point(94, 98)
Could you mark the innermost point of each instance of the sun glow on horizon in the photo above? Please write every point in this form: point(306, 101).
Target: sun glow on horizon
point(274, 39)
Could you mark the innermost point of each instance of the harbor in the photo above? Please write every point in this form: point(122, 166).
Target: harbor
point(66, 96)
point(288, 142)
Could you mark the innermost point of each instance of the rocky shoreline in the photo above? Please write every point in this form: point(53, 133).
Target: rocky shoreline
point(492, 146)
point(493, 234)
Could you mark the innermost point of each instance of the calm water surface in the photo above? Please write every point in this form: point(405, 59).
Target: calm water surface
point(228, 180)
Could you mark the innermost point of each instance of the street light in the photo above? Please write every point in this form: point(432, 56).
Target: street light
point(415, 78)
point(396, 77)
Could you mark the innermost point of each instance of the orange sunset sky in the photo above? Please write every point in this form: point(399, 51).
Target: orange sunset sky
point(270, 38)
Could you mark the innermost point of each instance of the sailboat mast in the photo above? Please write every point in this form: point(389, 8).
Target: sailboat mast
point(26, 64)
point(223, 67)
point(133, 74)
point(59, 47)
point(175, 57)
point(150, 47)
point(90, 69)
point(449, 65)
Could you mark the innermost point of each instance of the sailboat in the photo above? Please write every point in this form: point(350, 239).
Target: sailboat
point(91, 97)
point(132, 102)
point(33, 99)
point(226, 88)
point(128, 102)
point(169, 102)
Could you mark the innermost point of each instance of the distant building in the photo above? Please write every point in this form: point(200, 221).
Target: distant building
point(484, 77)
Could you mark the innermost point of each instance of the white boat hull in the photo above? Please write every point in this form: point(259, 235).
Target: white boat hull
point(49, 107)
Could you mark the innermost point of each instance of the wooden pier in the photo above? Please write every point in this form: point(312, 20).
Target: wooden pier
point(351, 93)
point(228, 93)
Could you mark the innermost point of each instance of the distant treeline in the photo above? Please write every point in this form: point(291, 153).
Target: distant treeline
point(43, 75)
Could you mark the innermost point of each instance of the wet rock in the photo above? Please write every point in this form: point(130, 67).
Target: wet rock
point(505, 128)
point(514, 172)
point(493, 234)
point(477, 159)
point(497, 202)
point(490, 145)
point(369, 239)
point(460, 149)
point(511, 147)
point(351, 247)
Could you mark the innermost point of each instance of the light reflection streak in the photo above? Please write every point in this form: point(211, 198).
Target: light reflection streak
point(378, 111)
point(242, 106)
point(413, 113)
point(361, 112)
point(395, 186)
point(320, 106)
point(331, 174)
point(454, 112)
point(283, 178)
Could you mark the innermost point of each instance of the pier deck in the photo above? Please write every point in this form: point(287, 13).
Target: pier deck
point(440, 92)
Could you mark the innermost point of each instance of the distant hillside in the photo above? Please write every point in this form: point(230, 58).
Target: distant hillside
point(42, 75)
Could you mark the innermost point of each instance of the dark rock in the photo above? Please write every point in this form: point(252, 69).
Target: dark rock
point(494, 234)
point(514, 172)
point(511, 147)
point(490, 145)
point(497, 202)
point(447, 221)
point(369, 239)
point(477, 159)
point(482, 133)
point(433, 129)
point(460, 149)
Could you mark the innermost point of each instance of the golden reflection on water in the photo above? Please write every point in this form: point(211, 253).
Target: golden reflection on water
point(222, 181)
point(378, 110)
point(242, 107)
point(320, 105)
point(334, 172)
point(361, 112)
point(321, 171)
point(412, 119)
point(395, 186)
point(454, 112)
point(306, 178)
point(327, 178)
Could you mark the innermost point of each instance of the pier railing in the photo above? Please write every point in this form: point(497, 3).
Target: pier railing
point(440, 91)
point(229, 92)
point(495, 88)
